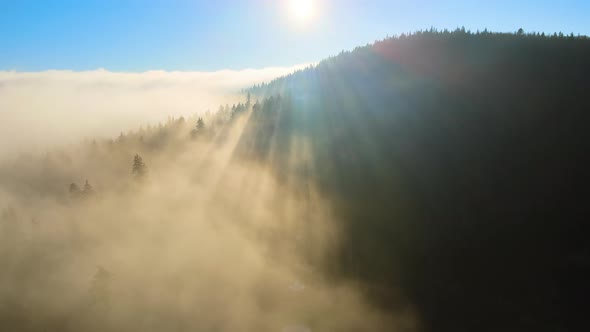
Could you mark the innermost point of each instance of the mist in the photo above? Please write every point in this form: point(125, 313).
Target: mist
point(39, 110)
point(204, 239)
point(388, 166)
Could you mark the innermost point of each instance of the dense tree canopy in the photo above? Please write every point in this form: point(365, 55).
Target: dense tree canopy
point(456, 162)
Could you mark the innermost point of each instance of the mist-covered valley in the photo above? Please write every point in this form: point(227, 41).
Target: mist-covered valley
point(64, 107)
point(185, 236)
point(426, 182)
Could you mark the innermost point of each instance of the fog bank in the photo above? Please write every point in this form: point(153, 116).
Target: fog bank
point(41, 109)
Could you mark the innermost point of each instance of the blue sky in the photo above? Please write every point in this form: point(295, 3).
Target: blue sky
point(140, 35)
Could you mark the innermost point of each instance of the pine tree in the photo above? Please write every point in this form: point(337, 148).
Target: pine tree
point(139, 169)
point(199, 128)
point(200, 124)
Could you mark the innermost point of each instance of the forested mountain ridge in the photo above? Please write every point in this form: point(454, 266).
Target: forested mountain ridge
point(457, 162)
point(430, 181)
point(457, 53)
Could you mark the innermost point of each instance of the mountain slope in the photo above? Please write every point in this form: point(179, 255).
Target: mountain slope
point(456, 163)
point(431, 182)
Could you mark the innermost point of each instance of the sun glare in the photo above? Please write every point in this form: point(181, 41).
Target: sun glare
point(302, 10)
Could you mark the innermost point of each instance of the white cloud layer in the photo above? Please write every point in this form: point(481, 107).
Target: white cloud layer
point(40, 109)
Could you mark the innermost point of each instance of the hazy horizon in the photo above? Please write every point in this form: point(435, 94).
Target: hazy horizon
point(57, 107)
point(294, 165)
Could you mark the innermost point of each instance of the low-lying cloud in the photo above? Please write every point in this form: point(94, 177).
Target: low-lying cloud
point(40, 109)
point(206, 238)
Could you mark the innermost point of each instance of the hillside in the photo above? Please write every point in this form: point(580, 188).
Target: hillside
point(457, 162)
point(426, 182)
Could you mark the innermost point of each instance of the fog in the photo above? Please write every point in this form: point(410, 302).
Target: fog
point(205, 241)
point(42, 109)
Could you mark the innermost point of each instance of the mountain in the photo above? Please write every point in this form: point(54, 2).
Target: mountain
point(434, 181)
point(457, 163)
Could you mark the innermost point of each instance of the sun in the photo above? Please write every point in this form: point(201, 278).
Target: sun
point(302, 10)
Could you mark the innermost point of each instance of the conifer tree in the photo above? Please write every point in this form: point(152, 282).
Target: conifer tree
point(200, 124)
point(199, 128)
point(139, 169)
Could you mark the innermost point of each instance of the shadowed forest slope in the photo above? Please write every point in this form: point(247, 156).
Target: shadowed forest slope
point(427, 182)
point(457, 164)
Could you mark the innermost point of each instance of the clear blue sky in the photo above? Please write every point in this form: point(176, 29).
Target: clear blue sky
point(139, 35)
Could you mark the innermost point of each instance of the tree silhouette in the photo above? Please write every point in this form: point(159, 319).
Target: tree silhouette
point(100, 290)
point(88, 190)
point(139, 169)
point(199, 128)
point(200, 124)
